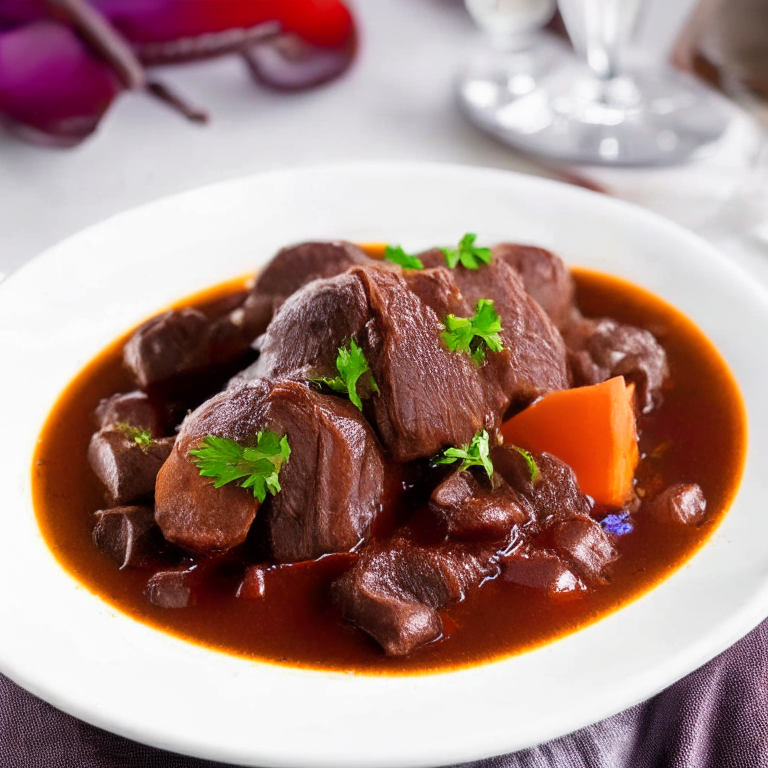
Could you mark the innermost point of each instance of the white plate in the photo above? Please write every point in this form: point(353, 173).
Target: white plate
point(64, 644)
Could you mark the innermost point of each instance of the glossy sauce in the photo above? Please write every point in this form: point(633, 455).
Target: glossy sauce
point(697, 435)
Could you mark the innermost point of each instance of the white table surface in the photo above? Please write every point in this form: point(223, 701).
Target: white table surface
point(396, 103)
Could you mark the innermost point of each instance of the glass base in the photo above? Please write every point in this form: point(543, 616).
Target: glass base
point(546, 102)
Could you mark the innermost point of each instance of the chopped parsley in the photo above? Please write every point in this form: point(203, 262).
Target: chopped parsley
point(258, 467)
point(351, 365)
point(397, 255)
point(467, 254)
point(533, 468)
point(472, 335)
point(142, 437)
point(477, 453)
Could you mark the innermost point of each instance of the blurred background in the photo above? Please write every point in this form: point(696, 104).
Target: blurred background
point(662, 102)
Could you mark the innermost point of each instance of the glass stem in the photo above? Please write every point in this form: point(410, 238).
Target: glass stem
point(607, 25)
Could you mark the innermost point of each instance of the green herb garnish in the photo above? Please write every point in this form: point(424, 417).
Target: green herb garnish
point(533, 467)
point(472, 335)
point(351, 365)
point(397, 255)
point(467, 253)
point(227, 461)
point(474, 454)
point(142, 437)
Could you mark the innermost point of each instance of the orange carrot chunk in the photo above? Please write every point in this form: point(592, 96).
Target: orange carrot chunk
point(592, 429)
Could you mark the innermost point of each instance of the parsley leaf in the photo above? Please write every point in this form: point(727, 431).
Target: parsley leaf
point(397, 255)
point(351, 365)
point(474, 454)
point(467, 253)
point(258, 467)
point(533, 467)
point(142, 437)
point(472, 335)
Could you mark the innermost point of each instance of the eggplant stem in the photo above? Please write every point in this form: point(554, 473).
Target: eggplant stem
point(103, 38)
point(167, 96)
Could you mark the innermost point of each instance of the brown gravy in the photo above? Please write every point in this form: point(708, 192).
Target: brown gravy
point(698, 435)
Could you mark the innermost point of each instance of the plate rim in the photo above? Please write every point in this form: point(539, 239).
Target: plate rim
point(748, 617)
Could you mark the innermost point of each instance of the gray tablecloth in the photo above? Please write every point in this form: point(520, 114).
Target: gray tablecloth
point(716, 717)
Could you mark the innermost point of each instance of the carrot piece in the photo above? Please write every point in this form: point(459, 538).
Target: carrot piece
point(592, 429)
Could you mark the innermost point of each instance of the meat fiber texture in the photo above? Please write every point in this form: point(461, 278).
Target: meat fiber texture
point(428, 397)
point(126, 469)
point(536, 533)
point(182, 341)
point(332, 483)
point(599, 348)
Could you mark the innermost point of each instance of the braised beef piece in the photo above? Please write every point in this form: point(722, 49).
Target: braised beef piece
point(598, 349)
point(555, 495)
point(128, 535)
point(126, 468)
point(587, 548)
point(172, 588)
point(544, 275)
point(536, 530)
point(331, 486)
point(429, 397)
point(680, 503)
point(183, 341)
point(168, 345)
point(601, 349)
point(562, 514)
point(252, 587)
point(286, 273)
point(545, 278)
point(194, 514)
point(312, 324)
point(297, 265)
point(473, 508)
point(533, 361)
point(395, 589)
point(532, 566)
point(132, 408)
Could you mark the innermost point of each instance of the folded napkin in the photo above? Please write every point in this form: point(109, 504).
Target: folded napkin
point(717, 717)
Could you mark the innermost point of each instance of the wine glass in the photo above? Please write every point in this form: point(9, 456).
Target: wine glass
point(591, 106)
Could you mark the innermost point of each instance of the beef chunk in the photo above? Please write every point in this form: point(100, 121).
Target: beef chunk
point(533, 361)
point(586, 547)
point(128, 535)
point(286, 273)
point(194, 514)
point(429, 397)
point(168, 345)
point(132, 408)
point(472, 508)
point(562, 515)
point(127, 469)
point(397, 622)
point(171, 588)
point(232, 334)
point(545, 277)
point(601, 349)
point(554, 496)
point(544, 569)
point(297, 265)
point(394, 590)
point(680, 503)
point(331, 485)
point(252, 587)
point(309, 329)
